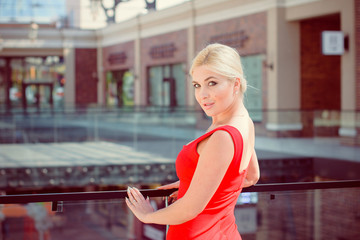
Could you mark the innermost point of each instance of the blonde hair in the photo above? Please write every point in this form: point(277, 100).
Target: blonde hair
point(222, 60)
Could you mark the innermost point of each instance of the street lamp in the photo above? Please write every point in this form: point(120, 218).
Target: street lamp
point(109, 7)
point(150, 4)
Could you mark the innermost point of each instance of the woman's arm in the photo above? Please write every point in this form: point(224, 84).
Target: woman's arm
point(170, 185)
point(253, 173)
point(212, 165)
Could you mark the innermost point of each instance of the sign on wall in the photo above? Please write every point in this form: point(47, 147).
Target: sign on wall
point(117, 58)
point(233, 39)
point(163, 51)
point(332, 42)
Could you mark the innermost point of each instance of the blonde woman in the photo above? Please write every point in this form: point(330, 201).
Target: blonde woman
point(213, 168)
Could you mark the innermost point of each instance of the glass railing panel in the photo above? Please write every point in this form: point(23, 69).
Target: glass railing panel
point(7, 126)
point(107, 219)
point(283, 122)
point(294, 214)
point(308, 214)
point(162, 131)
point(327, 123)
point(91, 220)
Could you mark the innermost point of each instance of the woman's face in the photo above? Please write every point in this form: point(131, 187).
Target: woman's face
point(214, 92)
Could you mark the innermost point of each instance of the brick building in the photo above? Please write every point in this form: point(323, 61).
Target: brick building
point(297, 90)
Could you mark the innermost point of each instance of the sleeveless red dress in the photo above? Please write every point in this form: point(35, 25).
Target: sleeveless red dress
point(217, 220)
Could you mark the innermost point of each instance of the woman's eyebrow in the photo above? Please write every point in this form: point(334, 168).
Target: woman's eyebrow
point(206, 79)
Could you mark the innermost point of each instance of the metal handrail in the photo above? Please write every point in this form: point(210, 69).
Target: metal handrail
point(103, 195)
point(79, 196)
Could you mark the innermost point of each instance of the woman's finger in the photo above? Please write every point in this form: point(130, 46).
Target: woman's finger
point(129, 204)
point(138, 195)
point(131, 196)
point(164, 187)
point(135, 194)
point(169, 186)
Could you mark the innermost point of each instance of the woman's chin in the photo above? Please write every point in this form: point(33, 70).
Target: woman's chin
point(209, 114)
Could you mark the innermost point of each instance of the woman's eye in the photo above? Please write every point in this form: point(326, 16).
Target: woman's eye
point(212, 83)
point(196, 85)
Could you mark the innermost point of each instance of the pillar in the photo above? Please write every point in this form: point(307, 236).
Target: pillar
point(283, 70)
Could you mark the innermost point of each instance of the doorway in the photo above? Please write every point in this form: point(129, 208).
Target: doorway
point(119, 88)
point(31, 82)
point(166, 86)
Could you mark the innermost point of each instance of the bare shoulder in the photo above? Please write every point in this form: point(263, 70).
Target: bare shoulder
point(219, 141)
point(221, 136)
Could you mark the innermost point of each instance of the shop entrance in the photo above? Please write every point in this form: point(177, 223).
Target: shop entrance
point(29, 82)
point(119, 88)
point(37, 94)
point(166, 86)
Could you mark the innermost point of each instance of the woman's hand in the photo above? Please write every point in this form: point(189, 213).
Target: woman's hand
point(140, 206)
point(174, 195)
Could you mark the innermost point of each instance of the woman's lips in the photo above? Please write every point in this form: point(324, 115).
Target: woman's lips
point(207, 105)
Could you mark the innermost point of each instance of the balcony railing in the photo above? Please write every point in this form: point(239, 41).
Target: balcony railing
point(94, 124)
point(89, 146)
point(311, 210)
point(67, 149)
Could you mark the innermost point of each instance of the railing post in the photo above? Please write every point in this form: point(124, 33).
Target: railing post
point(57, 206)
point(166, 205)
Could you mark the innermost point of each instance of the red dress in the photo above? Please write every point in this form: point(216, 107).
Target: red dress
point(217, 220)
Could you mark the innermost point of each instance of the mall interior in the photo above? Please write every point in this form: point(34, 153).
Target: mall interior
point(93, 101)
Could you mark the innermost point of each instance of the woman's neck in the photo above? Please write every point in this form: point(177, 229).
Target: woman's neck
point(226, 117)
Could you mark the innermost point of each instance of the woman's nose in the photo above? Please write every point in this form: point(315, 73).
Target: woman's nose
point(203, 93)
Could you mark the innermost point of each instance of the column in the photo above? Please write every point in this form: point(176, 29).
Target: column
point(100, 75)
point(190, 55)
point(69, 88)
point(137, 66)
point(283, 71)
point(348, 130)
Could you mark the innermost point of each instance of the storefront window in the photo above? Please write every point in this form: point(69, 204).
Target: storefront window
point(128, 89)
point(253, 96)
point(34, 81)
point(120, 88)
point(179, 75)
point(18, 72)
point(167, 85)
point(43, 81)
point(156, 92)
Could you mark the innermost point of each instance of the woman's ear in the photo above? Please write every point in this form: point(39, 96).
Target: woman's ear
point(237, 85)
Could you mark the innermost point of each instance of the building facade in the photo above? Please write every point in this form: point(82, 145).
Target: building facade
point(296, 87)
